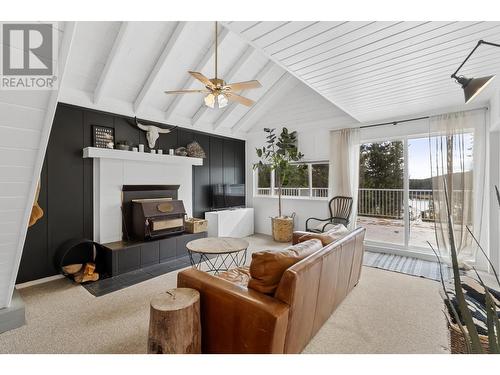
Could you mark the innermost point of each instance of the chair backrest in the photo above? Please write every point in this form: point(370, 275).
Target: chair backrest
point(340, 208)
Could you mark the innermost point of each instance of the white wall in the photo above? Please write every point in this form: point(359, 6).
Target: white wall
point(312, 116)
point(25, 121)
point(494, 175)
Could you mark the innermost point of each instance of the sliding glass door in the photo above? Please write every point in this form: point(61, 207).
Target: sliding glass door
point(381, 191)
point(395, 193)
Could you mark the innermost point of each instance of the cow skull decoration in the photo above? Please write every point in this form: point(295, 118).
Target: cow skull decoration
point(152, 132)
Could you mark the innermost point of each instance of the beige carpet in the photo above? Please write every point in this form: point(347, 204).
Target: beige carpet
point(386, 313)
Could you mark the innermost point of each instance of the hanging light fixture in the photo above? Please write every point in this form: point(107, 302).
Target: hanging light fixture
point(473, 86)
point(217, 92)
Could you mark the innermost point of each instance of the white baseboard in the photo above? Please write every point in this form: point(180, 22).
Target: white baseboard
point(39, 281)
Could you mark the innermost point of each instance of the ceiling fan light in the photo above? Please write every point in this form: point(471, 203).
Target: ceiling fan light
point(210, 100)
point(475, 86)
point(222, 100)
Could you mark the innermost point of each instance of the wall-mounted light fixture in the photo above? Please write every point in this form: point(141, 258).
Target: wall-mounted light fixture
point(473, 86)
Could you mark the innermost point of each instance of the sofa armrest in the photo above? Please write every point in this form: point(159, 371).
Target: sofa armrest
point(236, 319)
point(297, 234)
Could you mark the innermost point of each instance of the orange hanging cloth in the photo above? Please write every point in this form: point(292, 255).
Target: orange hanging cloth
point(36, 211)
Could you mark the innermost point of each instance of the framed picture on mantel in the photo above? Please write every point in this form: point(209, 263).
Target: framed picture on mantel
point(103, 136)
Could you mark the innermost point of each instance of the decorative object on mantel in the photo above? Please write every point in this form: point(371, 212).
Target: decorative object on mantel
point(141, 147)
point(152, 132)
point(101, 153)
point(194, 150)
point(103, 136)
point(278, 154)
point(181, 151)
point(122, 145)
point(36, 210)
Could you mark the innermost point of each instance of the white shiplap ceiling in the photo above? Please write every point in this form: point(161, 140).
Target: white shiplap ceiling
point(367, 70)
point(125, 67)
point(379, 70)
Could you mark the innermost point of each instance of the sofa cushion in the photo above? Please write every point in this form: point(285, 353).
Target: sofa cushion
point(336, 233)
point(238, 276)
point(267, 267)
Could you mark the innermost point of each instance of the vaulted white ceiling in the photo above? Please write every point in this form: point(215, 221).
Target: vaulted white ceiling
point(367, 70)
point(125, 67)
point(379, 70)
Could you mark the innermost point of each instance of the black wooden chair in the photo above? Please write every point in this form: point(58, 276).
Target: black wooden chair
point(340, 213)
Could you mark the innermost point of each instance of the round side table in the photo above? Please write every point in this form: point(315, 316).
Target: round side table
point(217, 253)
point(174, 324)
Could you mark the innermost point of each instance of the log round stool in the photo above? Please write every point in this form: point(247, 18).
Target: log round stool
point(174, 324)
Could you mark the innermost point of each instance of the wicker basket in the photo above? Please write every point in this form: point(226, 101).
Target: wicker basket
point(194, 225)
point(282, 229)
point(457, 340)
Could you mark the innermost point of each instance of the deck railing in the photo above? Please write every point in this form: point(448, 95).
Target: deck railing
point(389, 203)
point(296, 192)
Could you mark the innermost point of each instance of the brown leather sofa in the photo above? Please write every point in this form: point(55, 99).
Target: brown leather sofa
point(237, 319)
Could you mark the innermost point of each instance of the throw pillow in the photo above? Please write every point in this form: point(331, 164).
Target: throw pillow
point(267, 267)
point(339, 231)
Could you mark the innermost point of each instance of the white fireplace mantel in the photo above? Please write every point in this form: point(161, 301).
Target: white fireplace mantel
point(95, 152)
point(115, 168)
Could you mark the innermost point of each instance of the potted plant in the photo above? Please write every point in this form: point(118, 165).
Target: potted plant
point(278, 154)
point(464, 334)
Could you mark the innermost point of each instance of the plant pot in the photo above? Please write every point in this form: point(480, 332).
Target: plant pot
point(282, 229)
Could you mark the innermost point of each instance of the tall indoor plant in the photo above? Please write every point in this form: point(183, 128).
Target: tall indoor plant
point(279, 153)
point(458, 309)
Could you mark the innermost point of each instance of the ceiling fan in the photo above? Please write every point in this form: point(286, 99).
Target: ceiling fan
point(218, 92)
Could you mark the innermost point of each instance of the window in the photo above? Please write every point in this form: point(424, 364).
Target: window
point(264, 180)
point(304, 180)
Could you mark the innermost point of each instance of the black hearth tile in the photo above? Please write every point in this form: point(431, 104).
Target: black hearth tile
point(134, 279)
point(129, 275)
point(104, 285)
point(160, 269)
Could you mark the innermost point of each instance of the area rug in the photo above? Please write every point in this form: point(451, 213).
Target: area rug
point(406, 265)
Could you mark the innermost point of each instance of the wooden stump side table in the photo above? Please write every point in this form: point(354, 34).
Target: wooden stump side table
point(174, 324)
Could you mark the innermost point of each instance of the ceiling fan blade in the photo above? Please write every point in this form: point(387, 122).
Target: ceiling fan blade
point(186, 91)
point(238, 86)
point(240, 99)
point(200, 77)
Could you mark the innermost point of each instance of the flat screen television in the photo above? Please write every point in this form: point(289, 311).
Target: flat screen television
point(228, 196)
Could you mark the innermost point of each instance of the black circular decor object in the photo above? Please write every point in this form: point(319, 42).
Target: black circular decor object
point(73, 248)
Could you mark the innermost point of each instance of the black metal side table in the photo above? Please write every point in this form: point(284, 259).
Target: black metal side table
point(217, 253)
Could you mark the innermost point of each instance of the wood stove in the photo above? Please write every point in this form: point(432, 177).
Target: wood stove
point(155, 218)
point(151, 211)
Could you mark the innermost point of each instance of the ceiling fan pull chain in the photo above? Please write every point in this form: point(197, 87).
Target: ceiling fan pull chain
point(216, 31)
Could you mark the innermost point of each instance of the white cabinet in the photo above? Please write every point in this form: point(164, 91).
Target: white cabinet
point(230, 223)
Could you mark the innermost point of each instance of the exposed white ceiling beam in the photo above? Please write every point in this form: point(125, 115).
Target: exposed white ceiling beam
point(160, 63)
point(225, 114)
point(104, 79)
point(209, 53)
point(281, 86)
point(279, 63)
point(228, 77)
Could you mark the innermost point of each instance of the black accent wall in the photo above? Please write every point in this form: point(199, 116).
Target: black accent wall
point(67, 179)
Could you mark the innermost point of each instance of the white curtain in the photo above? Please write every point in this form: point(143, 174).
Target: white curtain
point(344, 167)
point(458, 163)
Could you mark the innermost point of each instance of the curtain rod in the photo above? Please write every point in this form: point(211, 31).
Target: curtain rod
point(413, 119)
